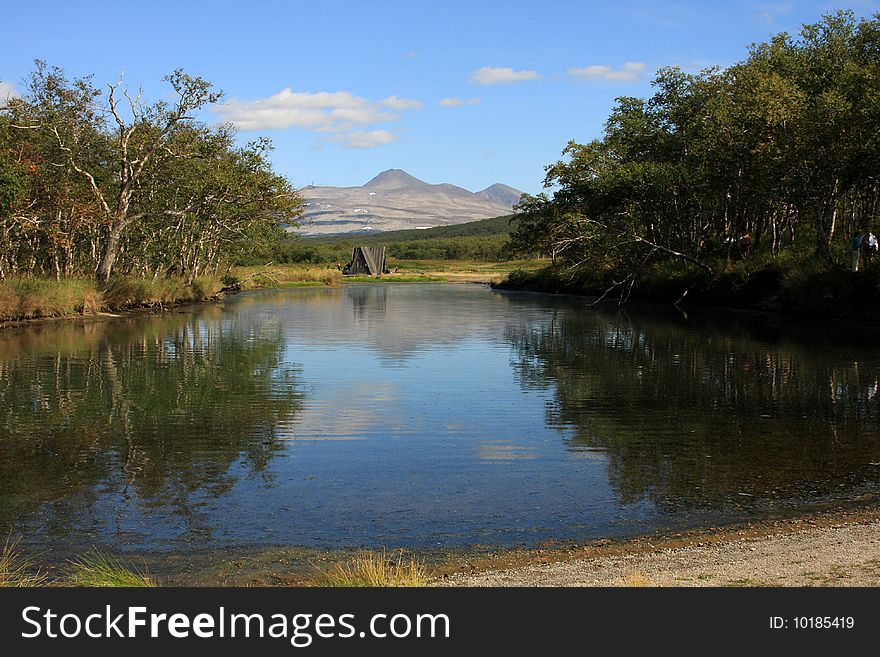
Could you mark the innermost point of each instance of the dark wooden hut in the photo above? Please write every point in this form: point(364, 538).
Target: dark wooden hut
point(369, 260)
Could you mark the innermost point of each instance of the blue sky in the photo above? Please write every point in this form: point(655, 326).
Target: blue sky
point(469, 93)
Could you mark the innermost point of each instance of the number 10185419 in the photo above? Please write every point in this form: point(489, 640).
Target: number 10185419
point(813, 623)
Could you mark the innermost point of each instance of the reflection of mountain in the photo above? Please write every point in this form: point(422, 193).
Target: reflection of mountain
point(397, 321)
point(706, 418)
point(395, 200)
point(153, 413)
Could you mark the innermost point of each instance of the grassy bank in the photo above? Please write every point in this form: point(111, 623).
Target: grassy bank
point(403, 271)
point(35, 298)
point(797, 286)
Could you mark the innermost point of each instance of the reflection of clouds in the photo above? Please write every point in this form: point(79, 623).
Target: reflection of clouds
point(504, 450)
point(345, 412)
point(397, 321)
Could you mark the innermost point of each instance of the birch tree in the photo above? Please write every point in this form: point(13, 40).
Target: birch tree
point(116, 133)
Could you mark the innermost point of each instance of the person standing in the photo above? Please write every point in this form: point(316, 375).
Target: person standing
point(855, 246)
point(745, 246)
point(869, 247)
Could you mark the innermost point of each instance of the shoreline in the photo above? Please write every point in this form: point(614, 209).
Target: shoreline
point(829, 549)
point(157, 308)
point(108, 315)
point(826, 548)
point(796, 290)
point(462, 278)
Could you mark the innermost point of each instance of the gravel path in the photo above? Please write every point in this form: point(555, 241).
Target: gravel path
point(836, 555)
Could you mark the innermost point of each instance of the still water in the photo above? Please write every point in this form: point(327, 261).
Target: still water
point(424, 416)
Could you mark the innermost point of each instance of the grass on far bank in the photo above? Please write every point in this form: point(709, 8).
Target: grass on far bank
point(403, 271)
point(374, 569)
point(34, 298)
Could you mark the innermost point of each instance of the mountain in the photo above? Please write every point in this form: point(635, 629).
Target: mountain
point(394, 179)
point(395, 200)
point(503, 194)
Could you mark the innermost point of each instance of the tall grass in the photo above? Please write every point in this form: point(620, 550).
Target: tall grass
point(287, 276)
point(17, 571)
point(135, 292)
point(33, 298)
point(97, 569)
point(372, 569)
point(37, 297)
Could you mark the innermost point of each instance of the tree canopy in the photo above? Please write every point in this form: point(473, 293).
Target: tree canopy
point(94, 182)
point(783, 146)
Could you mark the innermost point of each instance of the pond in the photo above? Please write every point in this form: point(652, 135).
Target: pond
point(425, 416)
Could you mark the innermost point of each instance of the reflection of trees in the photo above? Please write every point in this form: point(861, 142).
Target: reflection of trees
point(154, 410)
point(706, 417)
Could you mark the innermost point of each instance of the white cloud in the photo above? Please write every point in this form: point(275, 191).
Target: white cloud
point(496, 75)
point(365, 139)
point(458, 102)
point(627, 73)
point(7, 91)
point(340, 112)
point(319, 112)
point(396, 103)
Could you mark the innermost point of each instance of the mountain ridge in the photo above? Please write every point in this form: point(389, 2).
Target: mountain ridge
point(396, 200)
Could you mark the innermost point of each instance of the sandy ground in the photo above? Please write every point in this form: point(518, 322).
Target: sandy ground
point(835, 551)
point(836, 548)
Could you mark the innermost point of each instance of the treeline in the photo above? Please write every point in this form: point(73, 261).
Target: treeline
point(486, 240)
point(783, 146)
point(99, 182)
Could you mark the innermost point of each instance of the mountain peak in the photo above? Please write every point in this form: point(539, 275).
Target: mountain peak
point(395, 200)
point(393, 179)
point(503, 194)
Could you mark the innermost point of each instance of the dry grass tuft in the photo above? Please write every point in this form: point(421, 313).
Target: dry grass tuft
point(16, 571)
point(372, 569)
point(97, 569)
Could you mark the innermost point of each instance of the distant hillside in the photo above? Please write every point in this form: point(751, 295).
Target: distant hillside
point(485, 240)
point(394, 200)
point(496, 226)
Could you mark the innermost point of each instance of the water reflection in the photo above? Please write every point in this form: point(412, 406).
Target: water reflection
point(423, 415)
point(136, 418)
point(396, 322)
point(701, 414)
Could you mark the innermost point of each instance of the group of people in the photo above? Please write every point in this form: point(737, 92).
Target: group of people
point(864, 247)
